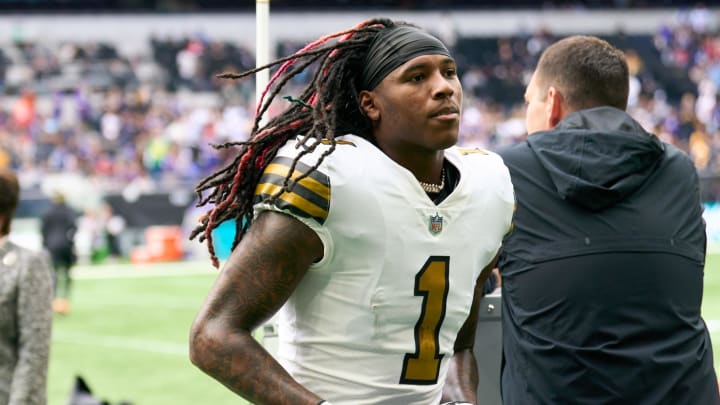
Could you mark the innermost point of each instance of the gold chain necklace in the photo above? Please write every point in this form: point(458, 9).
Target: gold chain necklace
point(434, 188)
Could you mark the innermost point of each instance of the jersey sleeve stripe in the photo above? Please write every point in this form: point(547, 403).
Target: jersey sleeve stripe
point(320, 200)
point(309, 197)
point(300, 167)
point(309, 182)
point(292, 202)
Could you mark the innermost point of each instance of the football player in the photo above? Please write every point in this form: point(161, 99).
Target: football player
point(354, 211)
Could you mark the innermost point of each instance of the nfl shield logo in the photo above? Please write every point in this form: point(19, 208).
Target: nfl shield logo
point(436, 223)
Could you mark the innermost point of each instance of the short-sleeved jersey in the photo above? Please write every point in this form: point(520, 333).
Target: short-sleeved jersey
point(375, 320)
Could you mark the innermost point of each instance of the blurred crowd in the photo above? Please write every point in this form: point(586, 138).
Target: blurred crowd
point(147, 122)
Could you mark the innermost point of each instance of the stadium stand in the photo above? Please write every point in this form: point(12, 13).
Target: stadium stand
point(137, 117)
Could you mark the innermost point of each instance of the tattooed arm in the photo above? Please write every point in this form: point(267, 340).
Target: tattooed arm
point(462, 378)
point(260, 275)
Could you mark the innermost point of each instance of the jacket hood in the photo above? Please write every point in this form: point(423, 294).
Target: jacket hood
point(597, 157)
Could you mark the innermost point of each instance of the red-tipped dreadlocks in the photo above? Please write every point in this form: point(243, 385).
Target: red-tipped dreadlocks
point(329, 105)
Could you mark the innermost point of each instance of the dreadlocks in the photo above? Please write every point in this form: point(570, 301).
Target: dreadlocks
point(329, 105)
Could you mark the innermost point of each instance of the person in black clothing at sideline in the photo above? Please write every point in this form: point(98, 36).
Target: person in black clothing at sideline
point(603, 271)
point(58, 227)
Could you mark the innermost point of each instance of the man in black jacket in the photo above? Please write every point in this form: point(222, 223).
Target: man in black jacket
point(603, 272)
point(58, 227)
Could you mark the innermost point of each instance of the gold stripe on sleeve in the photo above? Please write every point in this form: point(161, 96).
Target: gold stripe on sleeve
point(322, 190)
point(294, 200)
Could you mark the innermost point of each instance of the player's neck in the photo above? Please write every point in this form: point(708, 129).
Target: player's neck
point(427, 169)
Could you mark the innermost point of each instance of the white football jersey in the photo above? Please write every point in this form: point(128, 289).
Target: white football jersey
point(375, 321)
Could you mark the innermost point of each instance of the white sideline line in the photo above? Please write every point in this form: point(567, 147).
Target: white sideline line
point(114, 271)
point(122, 342)
point(155, 304)
point(102, 275)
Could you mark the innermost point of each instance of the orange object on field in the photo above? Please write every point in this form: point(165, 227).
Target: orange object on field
point(162, 244)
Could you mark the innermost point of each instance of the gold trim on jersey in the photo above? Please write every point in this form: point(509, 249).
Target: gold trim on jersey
point(470, 151)
point(309, 198)
point(337, 141)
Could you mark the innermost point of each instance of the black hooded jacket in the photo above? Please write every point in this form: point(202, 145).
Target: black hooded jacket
point(603, 271)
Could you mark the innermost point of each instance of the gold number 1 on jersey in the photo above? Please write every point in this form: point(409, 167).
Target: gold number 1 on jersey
point(431, 283)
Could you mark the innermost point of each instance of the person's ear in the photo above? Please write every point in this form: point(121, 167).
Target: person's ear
point(555, 110)
point(368, 105)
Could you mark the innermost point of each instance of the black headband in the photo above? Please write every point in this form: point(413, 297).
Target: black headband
point(395, 46)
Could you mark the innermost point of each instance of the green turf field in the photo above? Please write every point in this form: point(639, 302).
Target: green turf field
point(711, 304)
point(127, 334)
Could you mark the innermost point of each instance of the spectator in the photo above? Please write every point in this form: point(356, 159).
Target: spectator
point(25, 310)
